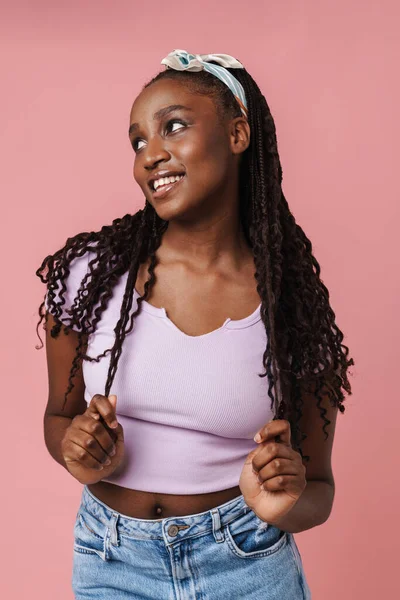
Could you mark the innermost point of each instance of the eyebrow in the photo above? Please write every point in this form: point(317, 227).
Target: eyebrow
point(160, 114)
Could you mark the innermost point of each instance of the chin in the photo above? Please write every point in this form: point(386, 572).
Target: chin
point(179, 208)
point(170, 210)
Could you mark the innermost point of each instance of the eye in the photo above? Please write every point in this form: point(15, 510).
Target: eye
point(175, 121)
point(136, 140)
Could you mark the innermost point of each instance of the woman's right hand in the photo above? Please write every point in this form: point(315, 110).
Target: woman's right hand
point(89, 440)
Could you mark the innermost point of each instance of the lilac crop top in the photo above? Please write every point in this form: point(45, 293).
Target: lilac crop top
point(189, 405)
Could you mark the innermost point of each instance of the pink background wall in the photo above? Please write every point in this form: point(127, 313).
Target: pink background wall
point(70, 72)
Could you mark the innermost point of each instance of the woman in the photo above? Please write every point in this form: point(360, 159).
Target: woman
point(190, 297)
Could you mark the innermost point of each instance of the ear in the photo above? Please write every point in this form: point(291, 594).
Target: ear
point(239, 133)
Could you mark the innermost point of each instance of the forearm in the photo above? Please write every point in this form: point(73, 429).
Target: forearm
point(54, 430)
point(311, 509)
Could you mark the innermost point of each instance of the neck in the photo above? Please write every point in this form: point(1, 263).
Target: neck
point(206, 244)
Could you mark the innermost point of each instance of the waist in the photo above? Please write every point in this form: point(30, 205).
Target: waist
point(147, 505)
point(150, 526)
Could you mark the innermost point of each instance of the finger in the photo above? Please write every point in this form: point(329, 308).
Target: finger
point(272, 429)
point(91, 446)
point(101, 405)
point(270, 451)
point(276, 468)
point(113, 400)
point(282, 482)
point(98, 431)
point(76, 453)
point(120, 434)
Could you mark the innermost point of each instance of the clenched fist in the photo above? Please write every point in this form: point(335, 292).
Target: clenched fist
point(93, 444)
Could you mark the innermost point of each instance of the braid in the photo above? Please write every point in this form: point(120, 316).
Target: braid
point(304, 345)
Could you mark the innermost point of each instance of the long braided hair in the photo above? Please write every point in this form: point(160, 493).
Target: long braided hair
point(304, 348)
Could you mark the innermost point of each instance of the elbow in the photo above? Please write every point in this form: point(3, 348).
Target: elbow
point(330, 496)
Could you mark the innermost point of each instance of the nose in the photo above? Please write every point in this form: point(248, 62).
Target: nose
point(155, 152)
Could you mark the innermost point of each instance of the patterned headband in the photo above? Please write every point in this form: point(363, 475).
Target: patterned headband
point(180, 60)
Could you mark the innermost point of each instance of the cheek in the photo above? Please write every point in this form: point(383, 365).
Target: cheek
point(138, 178)
point(135, 170)
point(204, 163)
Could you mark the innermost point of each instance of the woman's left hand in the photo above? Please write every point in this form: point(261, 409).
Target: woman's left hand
point(273, 476)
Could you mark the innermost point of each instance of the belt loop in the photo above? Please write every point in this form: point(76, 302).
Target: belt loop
point(112, 526)
point(217, 529)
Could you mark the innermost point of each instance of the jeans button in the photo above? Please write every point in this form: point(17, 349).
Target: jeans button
point(173, 530)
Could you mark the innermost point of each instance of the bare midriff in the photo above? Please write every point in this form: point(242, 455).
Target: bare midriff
point(150, 505)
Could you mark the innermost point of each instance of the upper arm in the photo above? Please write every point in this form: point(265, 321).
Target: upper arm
point(60, 353)
point(319, 449)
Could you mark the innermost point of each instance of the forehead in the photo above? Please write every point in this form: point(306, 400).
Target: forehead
point(166, 92)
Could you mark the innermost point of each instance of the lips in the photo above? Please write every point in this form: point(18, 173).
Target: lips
point(163, 175)
point(167, 189)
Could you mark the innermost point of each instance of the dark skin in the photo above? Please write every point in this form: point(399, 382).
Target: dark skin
point(203, 255)
point(205, 270)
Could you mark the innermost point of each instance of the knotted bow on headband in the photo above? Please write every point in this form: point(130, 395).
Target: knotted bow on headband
point(180, 60)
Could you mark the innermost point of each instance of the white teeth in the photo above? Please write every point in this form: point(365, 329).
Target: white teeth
point(166, 180)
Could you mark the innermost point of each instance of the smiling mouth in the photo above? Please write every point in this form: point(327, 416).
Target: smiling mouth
point(162, 191)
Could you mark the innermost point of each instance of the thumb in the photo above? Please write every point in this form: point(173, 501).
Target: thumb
point(113, 400)
point(251, 455)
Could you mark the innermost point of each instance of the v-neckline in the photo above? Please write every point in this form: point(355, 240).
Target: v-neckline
point(228, 323)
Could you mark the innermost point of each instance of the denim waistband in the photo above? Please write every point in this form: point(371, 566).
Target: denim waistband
point(170, 529)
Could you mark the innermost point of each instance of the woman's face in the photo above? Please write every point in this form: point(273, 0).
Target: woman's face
point(190, 141)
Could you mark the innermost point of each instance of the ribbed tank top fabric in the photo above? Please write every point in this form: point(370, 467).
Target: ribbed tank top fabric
point(189, 405)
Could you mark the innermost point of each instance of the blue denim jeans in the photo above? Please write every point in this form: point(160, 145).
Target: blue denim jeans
point(223, 553)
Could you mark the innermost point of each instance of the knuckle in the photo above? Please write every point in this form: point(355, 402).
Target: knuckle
point(95, 426)
point(277, 464)
point(81, 454)
point(76, 422)
point(89, 442)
